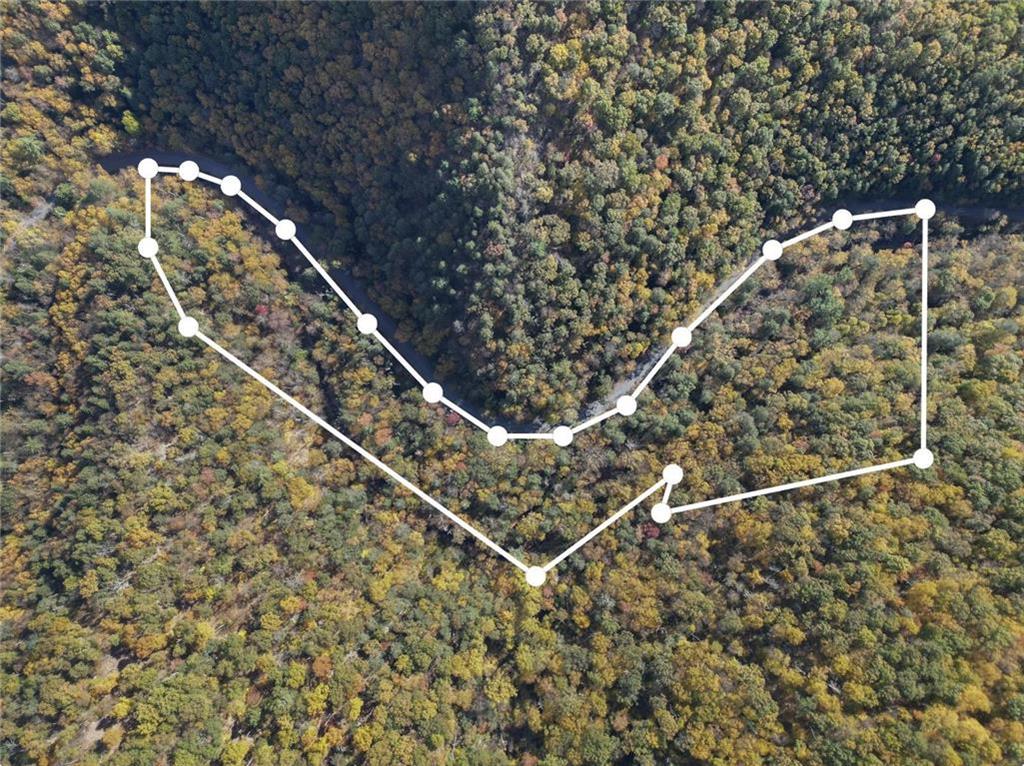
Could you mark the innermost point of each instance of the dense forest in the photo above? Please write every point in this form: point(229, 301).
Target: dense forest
point(538, 194)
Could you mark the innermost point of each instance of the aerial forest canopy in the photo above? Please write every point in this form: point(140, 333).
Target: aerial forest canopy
point(537, 194)
point(538, 190)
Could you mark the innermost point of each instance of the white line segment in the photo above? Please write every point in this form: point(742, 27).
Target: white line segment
point(654, 371)
point(468, 416)
point(257, 207)
point(807, 234)
point(167, 287)
point(727, 292)
point(401, 359)
point(642, 386)
point(327, 277)
point(370, 458)
point(792, 485)
point(591, 422)
point(149, 207)
point(884, 214)
point(924, 333)
point(603, 525)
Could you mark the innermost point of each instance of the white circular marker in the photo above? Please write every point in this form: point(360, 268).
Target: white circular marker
point(681, 337)
point(536, 576)
point(626, 405)
point(925, 209)
point(661, 512)
point(230, 185)
point(772, 249)
point(148, 247)
point(924, 458)
point(148, 168)
point(188, 171)
point(497, 435)
point(672, 473)
point(433, 392)
point(563, 436)
point(285, 229)
point(366, 323)
point(842, 219)
point(188, 326)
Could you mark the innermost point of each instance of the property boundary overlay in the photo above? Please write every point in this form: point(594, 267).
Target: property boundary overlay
point(562, 435)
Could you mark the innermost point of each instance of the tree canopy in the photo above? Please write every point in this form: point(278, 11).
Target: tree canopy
point(193, 575)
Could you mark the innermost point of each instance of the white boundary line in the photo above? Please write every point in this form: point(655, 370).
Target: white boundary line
point(807, 235)
point(370, 458)
point(471, 418)
point(402, 360)
point(340, 293)
point(885, 214)
point(751, 270)
point(167, 286)
point(681, 336)
point(603, 526)
point(669, 353)
point(924, 333)
point(792, 485)
point(594, 420)
point(149, 207)
point(257, 207)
